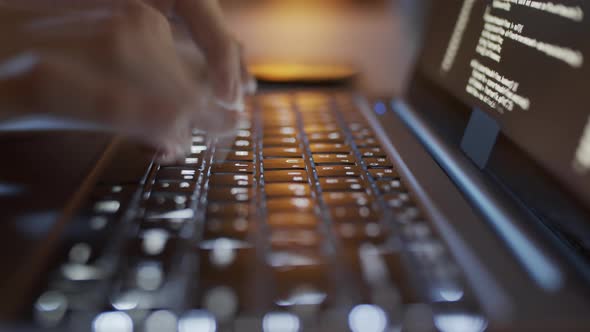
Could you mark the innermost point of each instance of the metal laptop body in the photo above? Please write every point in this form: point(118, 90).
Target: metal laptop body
point(452, 249)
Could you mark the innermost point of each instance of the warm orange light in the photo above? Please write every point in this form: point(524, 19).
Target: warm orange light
point(290, 72)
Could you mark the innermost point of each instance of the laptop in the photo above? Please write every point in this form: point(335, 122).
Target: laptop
point(462, 206)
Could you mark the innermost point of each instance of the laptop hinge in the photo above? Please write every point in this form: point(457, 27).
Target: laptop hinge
point(480, 137)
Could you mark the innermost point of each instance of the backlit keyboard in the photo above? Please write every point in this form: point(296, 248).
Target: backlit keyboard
point(299, 222)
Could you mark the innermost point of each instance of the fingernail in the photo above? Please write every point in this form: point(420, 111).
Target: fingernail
point(165, 158)
point(232, 106)
point(251, 86)
point(171, 154)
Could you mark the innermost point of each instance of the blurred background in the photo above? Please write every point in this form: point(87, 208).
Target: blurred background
point(378, 37)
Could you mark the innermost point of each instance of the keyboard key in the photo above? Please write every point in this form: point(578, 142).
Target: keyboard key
point(221, 210)
point(333, 159)
point(174, 187)
point(244, 133)
point(234, 180)
point(367, 142)
point(198, 149)
point(293, 220)
point(280, 131)
point(346, 198)
point(398, 201)
point(428, 252)
point(226, 267)
point(122, 193)
point(280, 141)
point(317, 108)
point(242, 144)
point(329, 148)
point(373, 152)
point(237, 228)
point(242, 167)
point(321, 128)
point(384, 173)
point(329, 137)
point(282, 260)
point(287, 190)
point(280, 163)
point(192, 162)
point(365, 133)
point(175, 215)
point(355, 234)
point(390, 185)
point(301, 281)
point(235, 143)
point(272, 117)
point(378, 163)
point(155, 244)
point(275, 120)
point(338, 171)
point(288, 152)
point(143, 279)
point(244, 124)
point(357, 125)
point(416, 231)
point(173, 226)
point(228, 194)
point(85, 238)
point(282, 238)
point(285, 176)
point(318, 119)
point(271, 124)
point(275, 100)
point(233, 155)
point(199, 139)
point(177, 174)
point(354, 214)
point(158, 203)
point(312, 98)
point(342, 184)
point(277, 110)
point(299, 204)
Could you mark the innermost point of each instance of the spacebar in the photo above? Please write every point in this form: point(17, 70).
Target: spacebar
point(129, 164)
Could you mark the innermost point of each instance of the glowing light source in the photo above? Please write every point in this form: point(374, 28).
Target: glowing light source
point(197, 320)
point(380, 108)
point(460, 322)
point(367, 318)
point(50, 308)
point(161, 321)
point(280, 322)
point(115, 321)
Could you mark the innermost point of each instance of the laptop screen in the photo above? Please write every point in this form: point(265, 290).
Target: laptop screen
point(526, 63)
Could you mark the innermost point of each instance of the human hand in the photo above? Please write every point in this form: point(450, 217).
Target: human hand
point(115, 65)
point(224, 55)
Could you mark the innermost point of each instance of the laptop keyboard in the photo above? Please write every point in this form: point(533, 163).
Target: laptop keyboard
point(299, 222)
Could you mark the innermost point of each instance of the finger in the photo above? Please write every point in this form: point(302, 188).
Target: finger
point(217, 121)
point(208, 115)
point(86, 95)
point(248, 81)
point(204, 19)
